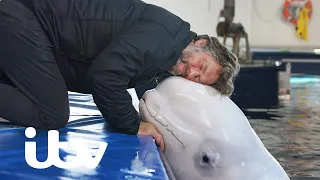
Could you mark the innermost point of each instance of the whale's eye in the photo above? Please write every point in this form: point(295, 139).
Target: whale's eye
point(209, 157)
point(205, 159)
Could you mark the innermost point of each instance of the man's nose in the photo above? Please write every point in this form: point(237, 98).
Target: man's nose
point(194, 72)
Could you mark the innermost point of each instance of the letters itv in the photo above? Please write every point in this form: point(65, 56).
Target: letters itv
point(83, 157)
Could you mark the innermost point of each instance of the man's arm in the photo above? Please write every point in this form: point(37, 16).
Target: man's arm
point(115, 102)
point(110, 75)
point(126, 57)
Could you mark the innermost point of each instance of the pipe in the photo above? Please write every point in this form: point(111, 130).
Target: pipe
point(229, 10)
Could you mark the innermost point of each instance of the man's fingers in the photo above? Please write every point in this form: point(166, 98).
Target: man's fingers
point(159, 140)
point(151, 129)
point(162, 144)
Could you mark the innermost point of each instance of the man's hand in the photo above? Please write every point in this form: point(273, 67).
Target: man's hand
point(151, 129)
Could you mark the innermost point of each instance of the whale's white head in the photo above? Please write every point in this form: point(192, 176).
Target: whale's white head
point(207, 137)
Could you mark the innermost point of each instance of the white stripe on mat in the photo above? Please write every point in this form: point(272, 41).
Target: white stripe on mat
point(3, 120)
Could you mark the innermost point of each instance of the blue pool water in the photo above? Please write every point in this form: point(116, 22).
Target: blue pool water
point(291, 132)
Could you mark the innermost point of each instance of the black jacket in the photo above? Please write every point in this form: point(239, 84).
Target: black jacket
point(104, 47)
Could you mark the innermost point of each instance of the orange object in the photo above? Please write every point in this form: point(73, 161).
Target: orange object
point(290, 7)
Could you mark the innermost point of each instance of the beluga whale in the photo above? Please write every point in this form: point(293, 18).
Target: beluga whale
point(206, 135)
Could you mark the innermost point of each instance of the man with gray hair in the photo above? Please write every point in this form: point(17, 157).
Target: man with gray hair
point(205, 60)
point(98, 47)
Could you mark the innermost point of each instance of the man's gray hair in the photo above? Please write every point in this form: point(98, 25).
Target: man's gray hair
point(229, 62)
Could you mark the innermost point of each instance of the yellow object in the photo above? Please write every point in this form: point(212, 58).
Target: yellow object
point(302, 24)
point(297, 123)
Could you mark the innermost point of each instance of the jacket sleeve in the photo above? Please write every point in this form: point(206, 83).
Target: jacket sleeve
point(110, 75)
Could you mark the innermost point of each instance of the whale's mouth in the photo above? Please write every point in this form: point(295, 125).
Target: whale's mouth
point(166, 127)
point(156, 118)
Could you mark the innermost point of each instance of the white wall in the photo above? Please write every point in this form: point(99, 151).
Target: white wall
point(269, 29)
point(262, 20)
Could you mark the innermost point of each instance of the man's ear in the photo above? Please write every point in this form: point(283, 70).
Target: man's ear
point(200, 42)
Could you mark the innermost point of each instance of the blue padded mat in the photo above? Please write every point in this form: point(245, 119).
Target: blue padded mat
point(126, 157)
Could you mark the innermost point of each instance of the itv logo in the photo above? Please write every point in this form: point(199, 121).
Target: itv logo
point(83, 157)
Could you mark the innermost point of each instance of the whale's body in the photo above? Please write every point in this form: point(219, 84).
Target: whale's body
point(207, 137)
